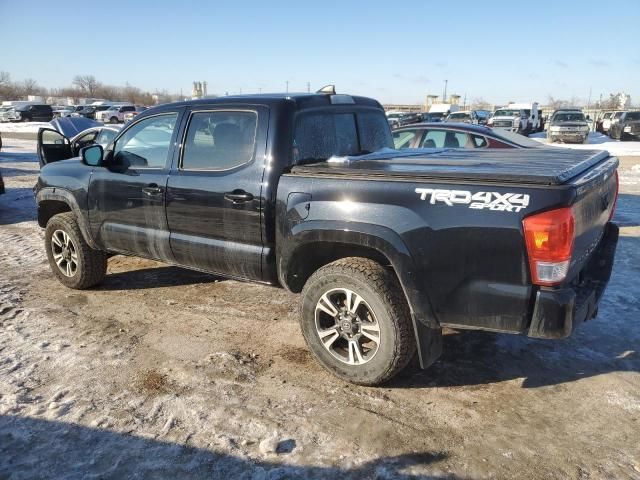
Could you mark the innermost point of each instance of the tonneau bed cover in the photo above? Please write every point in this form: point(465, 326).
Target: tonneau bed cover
point(543, 166)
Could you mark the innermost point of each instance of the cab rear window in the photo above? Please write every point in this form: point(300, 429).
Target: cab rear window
point(319, 136)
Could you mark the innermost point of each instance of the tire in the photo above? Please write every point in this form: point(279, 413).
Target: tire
point(90, 265)
point(113, 120)
point(25, 119)
point(382, 307)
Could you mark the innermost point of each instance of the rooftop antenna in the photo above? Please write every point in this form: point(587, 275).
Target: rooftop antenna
point(328, 89)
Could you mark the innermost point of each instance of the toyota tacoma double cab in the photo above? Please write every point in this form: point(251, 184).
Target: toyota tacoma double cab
point(306, 192)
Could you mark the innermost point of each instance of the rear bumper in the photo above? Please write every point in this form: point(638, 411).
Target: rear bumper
point(557, 313)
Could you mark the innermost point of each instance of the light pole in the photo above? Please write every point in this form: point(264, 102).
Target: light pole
point(444, 94)
point(287, 82)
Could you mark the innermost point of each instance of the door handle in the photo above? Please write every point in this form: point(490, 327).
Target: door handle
point(238, 196)
point(152, 189)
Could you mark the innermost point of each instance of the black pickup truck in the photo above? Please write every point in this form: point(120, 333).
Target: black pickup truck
point(305, 192)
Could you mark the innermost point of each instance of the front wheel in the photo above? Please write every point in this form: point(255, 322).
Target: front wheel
point(72, 260)
point(356, 321)
point(114, 120)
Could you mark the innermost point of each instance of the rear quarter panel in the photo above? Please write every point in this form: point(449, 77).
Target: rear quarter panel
point(468, 266)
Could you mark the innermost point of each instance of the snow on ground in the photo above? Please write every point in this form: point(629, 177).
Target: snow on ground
point(597, 141)
point(29, 127)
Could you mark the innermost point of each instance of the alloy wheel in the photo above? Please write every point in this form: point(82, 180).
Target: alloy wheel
point(347, 326)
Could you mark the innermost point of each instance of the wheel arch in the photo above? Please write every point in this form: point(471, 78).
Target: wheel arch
point(52, 201)
point(313, 247)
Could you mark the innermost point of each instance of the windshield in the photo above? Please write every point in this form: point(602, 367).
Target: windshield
point(394, 115)
point(437, 114)
point(633, 116)
point(320, 136)
point(568, 117)
point(455, 116)
point(507, 113)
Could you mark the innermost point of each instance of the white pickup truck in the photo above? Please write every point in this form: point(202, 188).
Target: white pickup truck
point(523, 118)
point(114, 114)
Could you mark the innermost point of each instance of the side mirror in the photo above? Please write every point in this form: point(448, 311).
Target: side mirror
point(92, 155)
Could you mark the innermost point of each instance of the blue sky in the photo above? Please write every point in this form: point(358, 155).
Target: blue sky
point(396, 51)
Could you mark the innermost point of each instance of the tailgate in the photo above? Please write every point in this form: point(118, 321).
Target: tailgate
point(593, 207)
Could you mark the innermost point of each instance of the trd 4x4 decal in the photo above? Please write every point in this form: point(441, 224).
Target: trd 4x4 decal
point(500, 202)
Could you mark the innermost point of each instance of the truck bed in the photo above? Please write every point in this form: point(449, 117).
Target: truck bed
point(541, 166)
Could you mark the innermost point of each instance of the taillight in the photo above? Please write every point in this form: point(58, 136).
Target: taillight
point(549, 238)
point(615, 199)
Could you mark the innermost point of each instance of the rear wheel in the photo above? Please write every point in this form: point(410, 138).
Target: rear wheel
point(356, 321)
point(72, 260)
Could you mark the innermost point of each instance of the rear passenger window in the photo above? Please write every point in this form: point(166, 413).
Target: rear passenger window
point(219, 140)
point(444, 139)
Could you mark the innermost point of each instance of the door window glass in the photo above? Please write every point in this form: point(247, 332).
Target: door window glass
point(146, 144)
point(403, 139)
point(444, 139)
point(219, 140)
point(105, 137)
point(51, 137)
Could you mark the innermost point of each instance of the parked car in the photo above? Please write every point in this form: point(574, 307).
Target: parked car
point(131, 115)
point(89, 111)
point(67, 136)
point(63, 111)
point(467, 116)
point(569, 126)
point(522, 118)
point(7, 113)
point(33, 113)
point(114, 114)
point(614, 119)
point(627, 127)
point(603, 122)
point(386, 248)
point(458, 135)
point(393, 119)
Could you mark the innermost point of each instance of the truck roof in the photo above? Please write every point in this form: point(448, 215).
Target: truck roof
point(301, 100)
point(543, 166)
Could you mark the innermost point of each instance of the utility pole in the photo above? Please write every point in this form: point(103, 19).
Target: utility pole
point(444, 94)
point(308, 87)
point(287, 82)
point(464, 102)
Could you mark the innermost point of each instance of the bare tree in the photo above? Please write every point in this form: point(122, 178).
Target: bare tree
point(30, 87)
point(556, 103)
point(5, 79)
point(479, 104)
point(87, 84)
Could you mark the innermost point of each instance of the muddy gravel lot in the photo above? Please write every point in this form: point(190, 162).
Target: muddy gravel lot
point(166, 373)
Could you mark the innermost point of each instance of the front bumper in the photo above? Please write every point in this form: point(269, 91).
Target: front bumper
point(557, 313)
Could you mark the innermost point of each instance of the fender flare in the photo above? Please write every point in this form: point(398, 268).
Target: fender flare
point(65, 196)
point(428, 333)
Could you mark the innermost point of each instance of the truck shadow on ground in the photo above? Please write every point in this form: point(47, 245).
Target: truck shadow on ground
point(628, 210)
point(155, 277)
point(17, 205)
point(34, 448)
point(29, 157)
